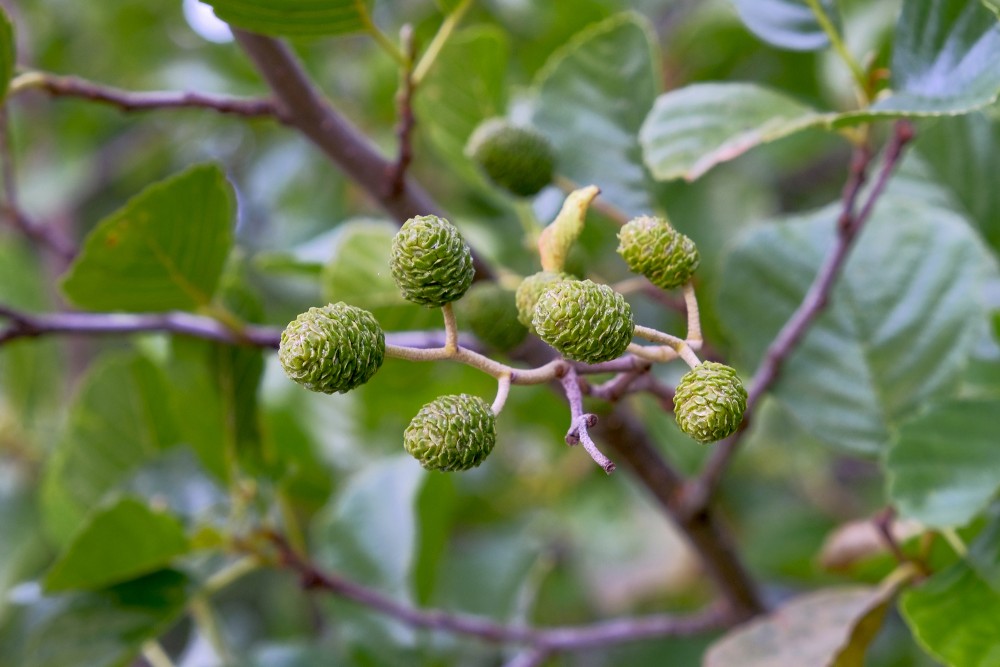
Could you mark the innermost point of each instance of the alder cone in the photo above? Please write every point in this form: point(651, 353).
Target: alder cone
point(529, 291)
point(709, 402)
point(585, 321)
point(516, 158)
point(653, 248)
point(451, 433)
point(430, 262)
point(332, 349)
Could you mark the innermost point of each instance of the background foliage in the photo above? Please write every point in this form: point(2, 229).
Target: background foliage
point(135, 469)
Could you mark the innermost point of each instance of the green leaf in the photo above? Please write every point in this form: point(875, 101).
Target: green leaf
point(944, 466)
point(592, 97)
point(955, 616)
point(295, 17)
point(964, 154)
point(789, 24)
point(118, 543)
point(827, 628)
point(692, 129)
point(901, 319)
point(464, 88)
point(118, 420)
point(108, 628)
point(984, 552)
point(164, 250)
point(22, 542)
point(944, 59)
point(358, 274)
point(8, 54)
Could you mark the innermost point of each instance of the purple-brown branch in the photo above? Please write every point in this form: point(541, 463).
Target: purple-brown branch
point(851, 221)
point(569, 638)
point(406, 120)
point(126, 100)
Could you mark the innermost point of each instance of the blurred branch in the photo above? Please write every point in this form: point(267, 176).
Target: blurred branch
point(71, 86)
point(46, 236)
point(532, 657)
point(569, 638)
point(405, 121)
point(304, 108)
point(849, 225)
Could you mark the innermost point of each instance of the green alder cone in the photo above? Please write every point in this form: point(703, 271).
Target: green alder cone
point(585, 321)
point(430, 262)
point(709, 402)
point(653, 248)
point(529, 291)
point(518, 159)
point(452, 433)
point(491, 314)
point(332, 349)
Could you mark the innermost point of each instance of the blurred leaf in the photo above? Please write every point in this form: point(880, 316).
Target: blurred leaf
point(118, 543)
point(294, 17)
point(861, 540)
point(464, 88)
point(108, 628)
point(984, 552)
point(955, 616)
point(216, 392)
point(19, 525)
point(118, 420)
point(964, 154)
point(944, 466)
point(944, 59)
point(899, 324)
point(164, 249)
point(8, 55)
point(827, 628)
point(593, 95)
point(371, 532)
point(692, 129)
point(790, 24)
point(358, 274)
point(993, 5)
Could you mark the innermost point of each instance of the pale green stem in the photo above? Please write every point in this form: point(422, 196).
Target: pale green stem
point(440, 39)
point(656, 354)
point(450, 329)
point(26, 81)
point(380, 38)
point(230, 574)
point(503, 390)
point(838, 45)
point(956, 542)
point(155, 655)
point(204, 618)
point(539, 375)
point(688, 355)
point(654, 336)
point(694, 335)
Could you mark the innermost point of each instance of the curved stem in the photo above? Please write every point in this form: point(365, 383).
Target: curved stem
point(440, 39)
point(656, 354)
point(694, 335)
point(503, 390)
point(450, 329)
point(384, 42)
point(838, 45)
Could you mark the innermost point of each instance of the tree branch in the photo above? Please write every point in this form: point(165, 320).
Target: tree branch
point(568, 638)
point(71, 86)
point(849, 225)
point(306, 110)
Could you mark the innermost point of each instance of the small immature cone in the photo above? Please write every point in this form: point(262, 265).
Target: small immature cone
point(709, 402)
point(653, 248)
point(585, 321)
point(518, 159)
point(430, 262)
point(452, 433)
point(332, 349)
point(530, 289)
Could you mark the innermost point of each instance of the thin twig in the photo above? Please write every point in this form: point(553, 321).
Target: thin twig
point(581, 421)
point(440, 39)
point(405, 121)
point(569, 638)
point(305, 109)
point(126, 100)
point(849, 225)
